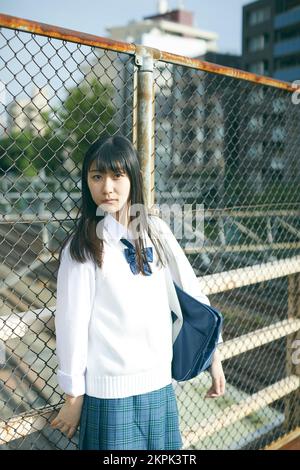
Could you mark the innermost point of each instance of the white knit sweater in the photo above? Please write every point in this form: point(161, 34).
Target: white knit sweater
point(114, 328)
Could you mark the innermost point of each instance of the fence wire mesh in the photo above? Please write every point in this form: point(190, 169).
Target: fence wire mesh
point(230, 146)
point(227, 148)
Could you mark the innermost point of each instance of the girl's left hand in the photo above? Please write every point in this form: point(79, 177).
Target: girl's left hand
point(218, 379)
point(68, 417)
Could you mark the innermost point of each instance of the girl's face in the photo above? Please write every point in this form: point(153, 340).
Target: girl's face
point(109, 190)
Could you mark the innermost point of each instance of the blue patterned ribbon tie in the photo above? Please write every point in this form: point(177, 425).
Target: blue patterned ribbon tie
point(130, 256)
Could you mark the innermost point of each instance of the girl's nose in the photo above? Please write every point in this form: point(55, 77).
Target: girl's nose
point(108, 184)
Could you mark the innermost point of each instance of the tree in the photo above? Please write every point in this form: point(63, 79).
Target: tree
point(87, 113)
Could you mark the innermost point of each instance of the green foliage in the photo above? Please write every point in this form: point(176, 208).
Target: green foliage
point(18, 153)
point(84, 115)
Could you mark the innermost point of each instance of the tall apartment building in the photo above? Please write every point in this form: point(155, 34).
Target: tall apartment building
point(271, 47)
point(179, 103)
point(271, 38)
point(204, 130)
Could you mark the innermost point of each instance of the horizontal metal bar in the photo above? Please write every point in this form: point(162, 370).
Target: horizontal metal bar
point(12, 277)
point(283, 440)
point(41, 217)
point(257, 338)
point(227, 280)
point(214, 213)
point(47, 216)
point(227, 71)
point(25, 424)
point(238, 411)
point(242, 248)
point(18, 324)
point(57, 32)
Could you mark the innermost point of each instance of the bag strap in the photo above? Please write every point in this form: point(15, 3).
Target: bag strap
point(173, 304)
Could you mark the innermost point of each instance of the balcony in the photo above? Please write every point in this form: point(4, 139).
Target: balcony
point(287, 18)
point(290, 46)
point(289, 74)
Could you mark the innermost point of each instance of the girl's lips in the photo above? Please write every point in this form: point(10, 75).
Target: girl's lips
point(109, 201)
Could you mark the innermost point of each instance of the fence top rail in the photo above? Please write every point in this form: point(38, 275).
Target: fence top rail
point(57, 32)
point(70, 35)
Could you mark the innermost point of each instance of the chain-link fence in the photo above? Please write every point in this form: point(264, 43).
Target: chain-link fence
point(218, 140)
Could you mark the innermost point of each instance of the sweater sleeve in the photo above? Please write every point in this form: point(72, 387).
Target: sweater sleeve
point(181, 270)
point(75, 293)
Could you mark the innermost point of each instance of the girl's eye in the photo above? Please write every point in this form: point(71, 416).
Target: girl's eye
point(117, 175)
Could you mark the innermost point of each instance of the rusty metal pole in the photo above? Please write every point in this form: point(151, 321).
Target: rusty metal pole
point(144, 130)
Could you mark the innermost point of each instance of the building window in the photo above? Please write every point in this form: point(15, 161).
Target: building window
point(256, 123)
point(200, 88)
point(260, 67)
point(199, 157)
point(285, 5)
point(219, 133)
point(218, 155)
point(255, 151)
point(259, 16)
point(286, 62)
point(256, 96)
point(286, 34)
point(257, 43)
point(200, 135)
point(279, 105)
point(278, 134)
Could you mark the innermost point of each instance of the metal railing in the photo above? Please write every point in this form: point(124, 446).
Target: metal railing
point(206, 135)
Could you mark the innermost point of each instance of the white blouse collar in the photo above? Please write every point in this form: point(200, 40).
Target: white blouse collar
point(115, 230)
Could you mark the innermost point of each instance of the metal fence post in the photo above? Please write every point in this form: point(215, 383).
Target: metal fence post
point(144, 115)
point(292, 401)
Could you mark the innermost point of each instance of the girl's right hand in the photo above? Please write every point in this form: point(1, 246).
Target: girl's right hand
point(68, 417)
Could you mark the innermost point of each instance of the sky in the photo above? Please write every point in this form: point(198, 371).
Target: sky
point(223, 17)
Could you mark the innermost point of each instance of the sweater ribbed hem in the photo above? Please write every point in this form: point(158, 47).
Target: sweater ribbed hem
point(127, 385)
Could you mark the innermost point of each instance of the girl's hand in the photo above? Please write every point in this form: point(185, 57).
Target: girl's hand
point(218, 378)
point(68, 417)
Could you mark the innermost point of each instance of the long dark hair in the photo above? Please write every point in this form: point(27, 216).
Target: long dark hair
point(111, 153)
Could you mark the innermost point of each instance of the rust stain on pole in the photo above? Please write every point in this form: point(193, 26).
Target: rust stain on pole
point(145, 105)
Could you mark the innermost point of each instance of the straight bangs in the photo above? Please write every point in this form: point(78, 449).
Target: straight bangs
point(108, 159)
point(114, 154)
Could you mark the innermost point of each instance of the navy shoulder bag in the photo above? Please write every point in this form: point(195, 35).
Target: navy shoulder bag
point(197, 336)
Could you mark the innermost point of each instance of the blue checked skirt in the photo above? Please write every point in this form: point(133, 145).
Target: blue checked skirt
point(148, 421)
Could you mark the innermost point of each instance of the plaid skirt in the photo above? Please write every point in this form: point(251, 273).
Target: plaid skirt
point(148, 421)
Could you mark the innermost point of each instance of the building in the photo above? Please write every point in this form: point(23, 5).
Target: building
point(271, 47)
point(271, 38)
point(29, 112)
point(168, 30)
point(178, 135)
point(204, 131)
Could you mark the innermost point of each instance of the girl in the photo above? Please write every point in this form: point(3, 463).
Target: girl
point(113, 321)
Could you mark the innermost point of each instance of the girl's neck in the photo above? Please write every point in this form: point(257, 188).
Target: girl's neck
point(122, 217)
